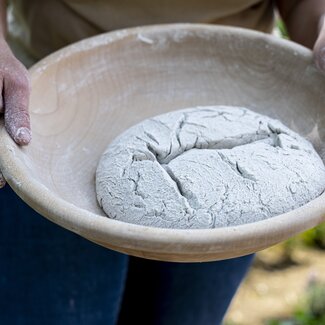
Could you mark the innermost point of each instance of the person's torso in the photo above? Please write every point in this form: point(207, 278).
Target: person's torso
point(43, 26)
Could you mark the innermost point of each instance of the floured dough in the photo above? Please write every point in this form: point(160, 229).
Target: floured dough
point(207, 167)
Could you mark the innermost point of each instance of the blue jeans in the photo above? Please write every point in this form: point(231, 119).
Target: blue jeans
point(51, 276)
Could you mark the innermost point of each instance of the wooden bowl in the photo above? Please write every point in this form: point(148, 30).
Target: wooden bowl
point(84, 95)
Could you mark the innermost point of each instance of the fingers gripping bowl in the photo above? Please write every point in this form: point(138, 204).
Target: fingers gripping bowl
point(86, 94)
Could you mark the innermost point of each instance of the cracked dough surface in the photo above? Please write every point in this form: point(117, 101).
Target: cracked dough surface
point(207, 167)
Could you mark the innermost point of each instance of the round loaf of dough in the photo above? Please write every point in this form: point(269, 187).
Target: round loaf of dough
point(207, 167)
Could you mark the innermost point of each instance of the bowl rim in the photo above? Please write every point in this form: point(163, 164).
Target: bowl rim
point(144, 238)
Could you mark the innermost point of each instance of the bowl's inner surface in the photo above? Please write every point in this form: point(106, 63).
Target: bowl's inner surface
point(81, 103)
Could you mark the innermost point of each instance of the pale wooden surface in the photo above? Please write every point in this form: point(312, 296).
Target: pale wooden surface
point(86, 94)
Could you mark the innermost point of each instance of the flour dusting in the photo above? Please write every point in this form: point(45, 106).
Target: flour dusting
point(207, 167)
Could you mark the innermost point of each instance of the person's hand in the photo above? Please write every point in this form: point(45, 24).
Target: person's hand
point(14, 98)
point(319, 48)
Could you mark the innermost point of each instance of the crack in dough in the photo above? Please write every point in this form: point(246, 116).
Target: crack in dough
point(206, 167)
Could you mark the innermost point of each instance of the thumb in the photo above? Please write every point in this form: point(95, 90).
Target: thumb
point(319, 48)
point(2, 180)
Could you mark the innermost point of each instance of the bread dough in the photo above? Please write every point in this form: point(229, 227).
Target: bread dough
point(207, 167)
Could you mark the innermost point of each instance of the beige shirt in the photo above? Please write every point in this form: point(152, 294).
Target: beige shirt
point(43, 26)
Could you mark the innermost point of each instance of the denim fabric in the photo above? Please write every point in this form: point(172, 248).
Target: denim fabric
point(180, 293)
point(49, 275)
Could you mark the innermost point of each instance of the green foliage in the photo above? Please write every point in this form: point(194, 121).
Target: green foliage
point(316, 299)
point(313, 310)
point(280, 322)
point(282, 28)
point(314, 237)
point(299, 318)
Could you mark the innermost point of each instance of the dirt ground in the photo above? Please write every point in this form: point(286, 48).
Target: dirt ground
point(274, 286)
